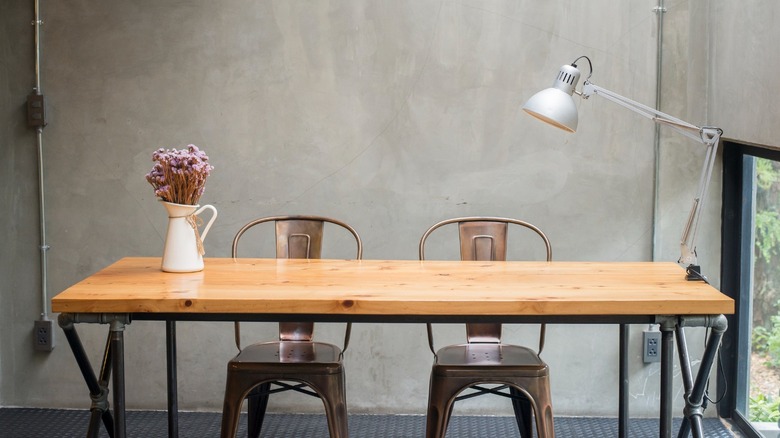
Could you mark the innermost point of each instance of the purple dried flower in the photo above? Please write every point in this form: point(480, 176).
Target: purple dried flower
point(179, 176)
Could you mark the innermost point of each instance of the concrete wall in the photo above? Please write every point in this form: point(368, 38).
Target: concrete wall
point(744, 92)
point(388, 115)
point(19, 257)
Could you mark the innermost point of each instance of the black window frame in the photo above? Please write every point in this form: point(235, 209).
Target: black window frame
point(736, 273)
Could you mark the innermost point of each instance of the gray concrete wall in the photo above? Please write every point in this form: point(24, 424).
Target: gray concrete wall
point(19, 256)
point(744, 91)
point(388, 115)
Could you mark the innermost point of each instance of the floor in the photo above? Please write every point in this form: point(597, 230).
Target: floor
point(59, 423)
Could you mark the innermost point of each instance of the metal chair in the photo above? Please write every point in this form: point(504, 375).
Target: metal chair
point(295, 357)
point(485, 359)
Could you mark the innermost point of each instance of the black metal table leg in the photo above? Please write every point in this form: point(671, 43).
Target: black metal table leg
point(695, 390)
point(687, 376)
point(667, 373)
point(623, 383)
point(118, 362)
point(113, 362)
point(173, 397)
point(98, 389)
point(102, 400)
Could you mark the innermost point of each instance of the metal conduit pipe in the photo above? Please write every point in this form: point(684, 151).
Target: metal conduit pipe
point(39, 143)
point(43, 331)
point(660, 10)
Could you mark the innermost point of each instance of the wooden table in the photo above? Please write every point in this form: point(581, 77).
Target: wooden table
point(394, 291)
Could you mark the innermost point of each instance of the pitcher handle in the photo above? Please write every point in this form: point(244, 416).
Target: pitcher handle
point(211, 221)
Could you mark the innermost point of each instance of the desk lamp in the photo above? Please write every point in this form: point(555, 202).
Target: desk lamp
point(555, 105)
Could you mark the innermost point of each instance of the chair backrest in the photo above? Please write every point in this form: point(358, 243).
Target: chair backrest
point(484, 238)
point(297, 237)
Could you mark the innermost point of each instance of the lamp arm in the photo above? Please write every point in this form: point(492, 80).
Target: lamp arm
point(687, 129)
point(708, 136)
point(688, 238)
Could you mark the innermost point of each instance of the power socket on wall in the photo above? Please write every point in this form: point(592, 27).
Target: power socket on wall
point(43, 335)
point(651, 346)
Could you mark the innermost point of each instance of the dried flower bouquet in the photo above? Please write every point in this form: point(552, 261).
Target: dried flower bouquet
point(179, 176)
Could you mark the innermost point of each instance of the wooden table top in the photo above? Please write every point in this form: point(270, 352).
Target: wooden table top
point(394, 287)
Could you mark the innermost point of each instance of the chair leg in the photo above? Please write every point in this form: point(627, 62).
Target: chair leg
point(441, 397)
point(541, 401)
point(332, 391)
point(522, 407)
point(231, 407)
point(257, 402)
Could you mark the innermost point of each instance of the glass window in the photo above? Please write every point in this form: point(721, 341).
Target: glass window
point(764, 370)
point(751, 275)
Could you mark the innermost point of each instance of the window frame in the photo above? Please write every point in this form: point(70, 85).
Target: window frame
point(736, 274)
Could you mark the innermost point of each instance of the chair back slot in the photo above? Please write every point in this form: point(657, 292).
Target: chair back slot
point(299, 238)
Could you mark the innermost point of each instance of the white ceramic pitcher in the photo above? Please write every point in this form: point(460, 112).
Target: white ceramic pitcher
point(183, 242)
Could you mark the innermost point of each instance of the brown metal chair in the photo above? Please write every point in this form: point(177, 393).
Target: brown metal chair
point(295, 357)
point(485, 359)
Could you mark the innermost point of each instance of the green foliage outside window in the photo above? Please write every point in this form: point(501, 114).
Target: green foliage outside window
point(766, 295)
point(766, 279)
point(764, 409)
point(766, 343)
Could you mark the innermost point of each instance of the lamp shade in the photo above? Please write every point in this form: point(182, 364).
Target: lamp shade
point(555, 105)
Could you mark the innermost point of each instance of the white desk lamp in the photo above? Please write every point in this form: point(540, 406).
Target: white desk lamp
point(556, 106)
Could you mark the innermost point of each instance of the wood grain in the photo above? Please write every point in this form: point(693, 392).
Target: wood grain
point(394, 287)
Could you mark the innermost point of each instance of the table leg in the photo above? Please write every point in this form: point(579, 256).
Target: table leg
point(98, 389)
point(687, 376)
point(623, 383)
point(105, 413)
point(667, 373)
point(695, 402)
point(173, 397)
point(118, 362)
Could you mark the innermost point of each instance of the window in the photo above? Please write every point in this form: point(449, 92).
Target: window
point(751, 275)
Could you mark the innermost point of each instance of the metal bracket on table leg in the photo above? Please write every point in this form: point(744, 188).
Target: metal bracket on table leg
point(100, 400)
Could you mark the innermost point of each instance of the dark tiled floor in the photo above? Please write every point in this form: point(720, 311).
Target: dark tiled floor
point(58, 423)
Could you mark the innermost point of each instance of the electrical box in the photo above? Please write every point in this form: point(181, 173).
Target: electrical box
point(43, 335)
point(651, 350)
point(36, 110)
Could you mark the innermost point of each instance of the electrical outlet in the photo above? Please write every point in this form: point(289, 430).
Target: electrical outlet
point(43, 335)
point(651, 351)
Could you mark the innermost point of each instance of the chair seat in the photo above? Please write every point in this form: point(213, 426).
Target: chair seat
point(290, 356)
point(488, 359)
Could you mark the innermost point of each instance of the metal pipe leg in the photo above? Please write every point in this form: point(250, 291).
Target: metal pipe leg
point(118, 362)
point(694, 404)
point(173, 397)
point(623, 383)
point(100, 409)
point(98, 390)
point(687, 377)
point(667, 372)
point(105, 377)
